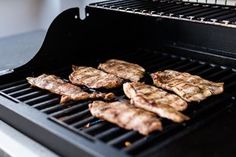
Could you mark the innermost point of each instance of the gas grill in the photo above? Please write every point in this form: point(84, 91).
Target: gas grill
point(198, 38)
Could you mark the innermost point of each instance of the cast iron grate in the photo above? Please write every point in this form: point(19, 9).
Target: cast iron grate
point(76, 116)
point(172, 9)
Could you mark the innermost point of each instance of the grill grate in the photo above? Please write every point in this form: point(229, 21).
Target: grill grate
point(76, 116)
point(172, 9)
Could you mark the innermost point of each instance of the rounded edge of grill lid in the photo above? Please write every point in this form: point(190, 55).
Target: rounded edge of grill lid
point(18, 47)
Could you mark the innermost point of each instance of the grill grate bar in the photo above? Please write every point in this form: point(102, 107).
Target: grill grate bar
point(168, 66)
point(38, 99)
point(161, 58)
point(95, 129)
point(219, 74)
point(231, 85)
point(53, 109)
point(206, 13)
point(74, 117)
point(209, 69)
point(14, 88)
point(228, 16)
point(172, 9)
point(178, 10)
point(30, 95)
point(108, 132)
point(194, 13)
point(186, 11)
point(196, 68)
point(232, 19)
point(83, 122)
point(216, 15)
point(123, 138)
point(164, 5)
point(118, 2)
point(228, 78)
point(21, 92)
point(13, 84)
point(138, 5)
point(47, 103)
point(73, 107)
point(173, 65)
point(119, 142)
point(165, 64)
point(187, 65)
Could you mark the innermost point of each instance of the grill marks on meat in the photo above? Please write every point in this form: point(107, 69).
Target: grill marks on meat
point(156, 100)
point(126, 116)
point(68, 91)
point(187, 86)
point(93, 78)
point(123, 69)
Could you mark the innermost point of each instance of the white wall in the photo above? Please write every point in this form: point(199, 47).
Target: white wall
point(19, 16)
point(47, 11)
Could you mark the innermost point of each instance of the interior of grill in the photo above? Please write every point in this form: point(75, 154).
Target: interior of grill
point(76, 116)
point(149, 42)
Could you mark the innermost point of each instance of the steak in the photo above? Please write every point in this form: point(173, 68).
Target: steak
point(187, 86)
point(156, 100)
point(68, 91)
point(123, 69)
point(94, 78)
point(126, 116)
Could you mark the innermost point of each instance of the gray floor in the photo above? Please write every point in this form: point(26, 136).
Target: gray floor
point(19, 49)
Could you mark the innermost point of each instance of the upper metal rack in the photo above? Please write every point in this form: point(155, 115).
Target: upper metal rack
point(222, 13)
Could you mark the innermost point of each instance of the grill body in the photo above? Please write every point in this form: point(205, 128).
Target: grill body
point(156, 43)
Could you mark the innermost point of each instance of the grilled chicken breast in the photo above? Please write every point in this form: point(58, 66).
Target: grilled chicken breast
point(126, 116)
point(68, 91)
point(93, 78)
point(156, 100)
point(123, 69)
point(187, 86)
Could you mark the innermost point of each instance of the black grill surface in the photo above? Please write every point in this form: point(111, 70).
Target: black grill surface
point(76, 117)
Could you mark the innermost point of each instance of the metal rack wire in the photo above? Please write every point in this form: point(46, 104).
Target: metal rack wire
point(217, 12)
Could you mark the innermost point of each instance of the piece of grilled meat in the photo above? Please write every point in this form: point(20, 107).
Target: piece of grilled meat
point(94, 78)
point(123, 69)
point(156, 100)
point(126, 116)
point(68, 91)
point(187, 86)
